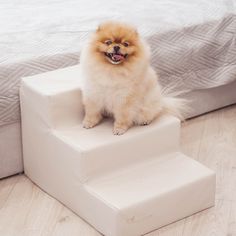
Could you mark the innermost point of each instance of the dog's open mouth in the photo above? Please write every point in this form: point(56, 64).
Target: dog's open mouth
point(116, 57)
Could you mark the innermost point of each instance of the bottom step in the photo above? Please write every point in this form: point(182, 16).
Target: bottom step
point(147, 196)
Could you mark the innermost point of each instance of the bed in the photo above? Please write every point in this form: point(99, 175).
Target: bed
point(193, 47)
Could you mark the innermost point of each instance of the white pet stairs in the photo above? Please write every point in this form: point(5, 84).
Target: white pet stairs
point(122, 185)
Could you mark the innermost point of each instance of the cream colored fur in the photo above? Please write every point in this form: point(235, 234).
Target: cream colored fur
point(128, 92)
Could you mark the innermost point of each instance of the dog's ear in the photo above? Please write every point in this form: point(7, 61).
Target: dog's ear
point(136, 32)
point(99, 27)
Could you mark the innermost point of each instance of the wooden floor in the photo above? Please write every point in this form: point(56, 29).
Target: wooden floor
point(25, 210)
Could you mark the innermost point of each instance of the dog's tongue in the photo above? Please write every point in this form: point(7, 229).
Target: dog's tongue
point(118, 57)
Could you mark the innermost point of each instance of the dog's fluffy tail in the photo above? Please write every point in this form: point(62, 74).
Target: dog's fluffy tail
point(174, 105)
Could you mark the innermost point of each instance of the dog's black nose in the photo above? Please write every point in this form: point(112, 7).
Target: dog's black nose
point(116, 48)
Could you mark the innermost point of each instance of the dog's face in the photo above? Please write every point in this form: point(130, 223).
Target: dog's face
point(116, 43)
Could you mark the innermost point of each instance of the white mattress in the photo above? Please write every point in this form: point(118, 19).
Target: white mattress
point(10, 150)
point(192, 41)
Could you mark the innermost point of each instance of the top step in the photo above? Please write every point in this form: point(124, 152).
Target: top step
point(57, 95)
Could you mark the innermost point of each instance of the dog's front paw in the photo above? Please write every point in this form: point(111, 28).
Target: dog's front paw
point(146, 122)
point(119, 130)
point(87, 124)
point(91, 121)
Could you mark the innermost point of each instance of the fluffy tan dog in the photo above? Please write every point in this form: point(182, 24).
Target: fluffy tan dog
point(119, 80)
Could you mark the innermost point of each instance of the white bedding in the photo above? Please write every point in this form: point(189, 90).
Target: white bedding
point(41, 27)
point(193, 42)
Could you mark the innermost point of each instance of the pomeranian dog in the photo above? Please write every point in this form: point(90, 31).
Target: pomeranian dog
point(119, 80)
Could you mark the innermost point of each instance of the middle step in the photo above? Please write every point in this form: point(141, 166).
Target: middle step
point(99, 151)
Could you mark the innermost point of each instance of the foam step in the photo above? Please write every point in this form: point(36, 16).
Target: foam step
point(100, 151)
point(122, 185)
point(155, 193)
point(57, 95)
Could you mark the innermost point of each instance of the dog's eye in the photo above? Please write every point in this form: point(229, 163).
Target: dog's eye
point(126, 44)
point(108, 42)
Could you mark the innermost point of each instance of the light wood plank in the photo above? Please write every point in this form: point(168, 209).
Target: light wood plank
point(218, 149)
point(30, 211)
point(70, 224)
point(191, 136)
point(6, 186)
point(213, 221)
point(232, 220)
